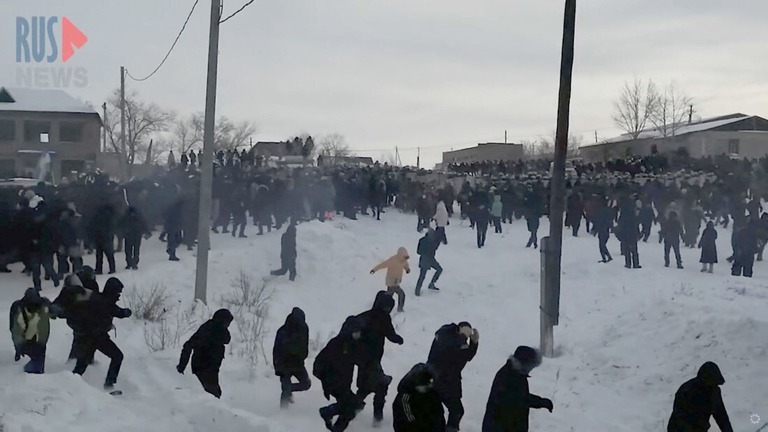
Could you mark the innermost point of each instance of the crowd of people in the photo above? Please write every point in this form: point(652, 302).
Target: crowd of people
point(51, 230)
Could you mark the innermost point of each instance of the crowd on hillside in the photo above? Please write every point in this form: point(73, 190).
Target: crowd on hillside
point(52, 230)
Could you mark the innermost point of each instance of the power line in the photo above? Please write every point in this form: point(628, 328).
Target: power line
point(170, 50)
point(236, 12)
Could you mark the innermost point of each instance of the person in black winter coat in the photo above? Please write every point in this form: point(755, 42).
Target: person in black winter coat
point(672, 233)
point(454, 346)
point(417, 406)
point(745, 248)
point(133, 226)
point(427, 249)
point(206, 347)
point(377, 326)
point(628, 234)
point(70, 305)
point(708, 246)
point(103, 228)
point(510, 400)
point(603, 224)
point(288, 355)
point(699, 399)
point(646, 219)
point(482, 218)
point(334, 366)
point(172, 224)
point(287, 253)
point(99, 310)
point(533, 211)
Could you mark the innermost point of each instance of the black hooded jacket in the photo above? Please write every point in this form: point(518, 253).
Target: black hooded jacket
point(288, 244)
point(449, 354)
point(377, 326)
point(510, 400)
point(291, 343)
point(699, 399)
point(413, 411)
point(206, 346)
point(101, 308)
point(335, 364)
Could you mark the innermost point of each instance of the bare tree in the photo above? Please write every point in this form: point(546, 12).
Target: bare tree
point(671, 110)
point(635, 106)
point(333, 147)
point(227, 135)
point(143, 121)
point(546, 146)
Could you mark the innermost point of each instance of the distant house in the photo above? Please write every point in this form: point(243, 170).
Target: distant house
point(485, 152)
point(270, 149)
point(34, 122)
point(737, 134)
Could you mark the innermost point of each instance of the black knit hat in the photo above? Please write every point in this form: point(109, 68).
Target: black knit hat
point(527, 357)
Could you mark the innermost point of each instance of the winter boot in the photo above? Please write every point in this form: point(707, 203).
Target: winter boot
point(711, 268)
point(327, 417)
point(703, 268)
point(433, 287)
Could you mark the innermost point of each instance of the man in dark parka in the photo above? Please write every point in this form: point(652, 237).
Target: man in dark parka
point(699, 399)
point(287, 253)
point(206, 347)
point(417, 406)
point(289, 353)
point(510, 400)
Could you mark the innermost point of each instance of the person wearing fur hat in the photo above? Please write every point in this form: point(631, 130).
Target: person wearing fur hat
point(206, 348)
point(334, 366)
point(417, 406)
point(395, 265)
point(699, 399)
point(289, 353)
point(510, 400)
point(454, 346)
point(30, 328)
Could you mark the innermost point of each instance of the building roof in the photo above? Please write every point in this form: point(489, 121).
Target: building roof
point(698, 126)
point(41, 100)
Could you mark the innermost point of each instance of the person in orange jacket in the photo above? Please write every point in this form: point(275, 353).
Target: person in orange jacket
point(395, 266)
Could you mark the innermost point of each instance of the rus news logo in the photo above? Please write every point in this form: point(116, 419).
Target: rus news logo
point(47, 44)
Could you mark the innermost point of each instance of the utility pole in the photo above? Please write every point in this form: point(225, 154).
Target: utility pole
point(418, 157)
point(104, 128)
point(690, 115)
point(595, 137)
point(553, 245)
point(124, 156)
point(505, 137)
point(206, 179)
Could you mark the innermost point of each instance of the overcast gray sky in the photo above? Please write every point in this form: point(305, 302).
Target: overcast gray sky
point(436, 74)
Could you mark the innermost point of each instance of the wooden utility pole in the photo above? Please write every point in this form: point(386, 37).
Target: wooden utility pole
point(124, 156)
point(206, 163)
point(550, 298)
point(418, 157)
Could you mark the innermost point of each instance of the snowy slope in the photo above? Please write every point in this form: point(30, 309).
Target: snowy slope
point(626, 341)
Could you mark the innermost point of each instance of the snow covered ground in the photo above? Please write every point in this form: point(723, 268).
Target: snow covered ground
point(626, 340)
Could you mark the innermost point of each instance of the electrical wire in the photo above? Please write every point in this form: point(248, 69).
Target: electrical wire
point(170, 50)
point(236, 12)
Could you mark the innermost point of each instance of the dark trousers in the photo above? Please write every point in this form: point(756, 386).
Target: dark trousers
point(287, 265)
point(64, 259)
point(103, 344)
point(37, 259)
point(104, 247)
point(676, 247)
point(132, 250)
point(400, 296)
point(497, 225)
point(450, 396)
point(631, 257)
point(372, 379)
point(646, 232)
point(210, 382)
point(174, 240)
point(288, 387)
point(36, 353)
point(575, 227)
point(482, 230)
point(742, 264)
point(602, 238)
point(441, 234)
point(533, 228)
point(345, 407)
point(423, 223)
point(423, 274)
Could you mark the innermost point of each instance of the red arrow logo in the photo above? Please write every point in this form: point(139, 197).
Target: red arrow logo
point(72, 38)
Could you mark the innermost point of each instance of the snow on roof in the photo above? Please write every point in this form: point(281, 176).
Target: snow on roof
point(700, 126)
point(42, 100)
